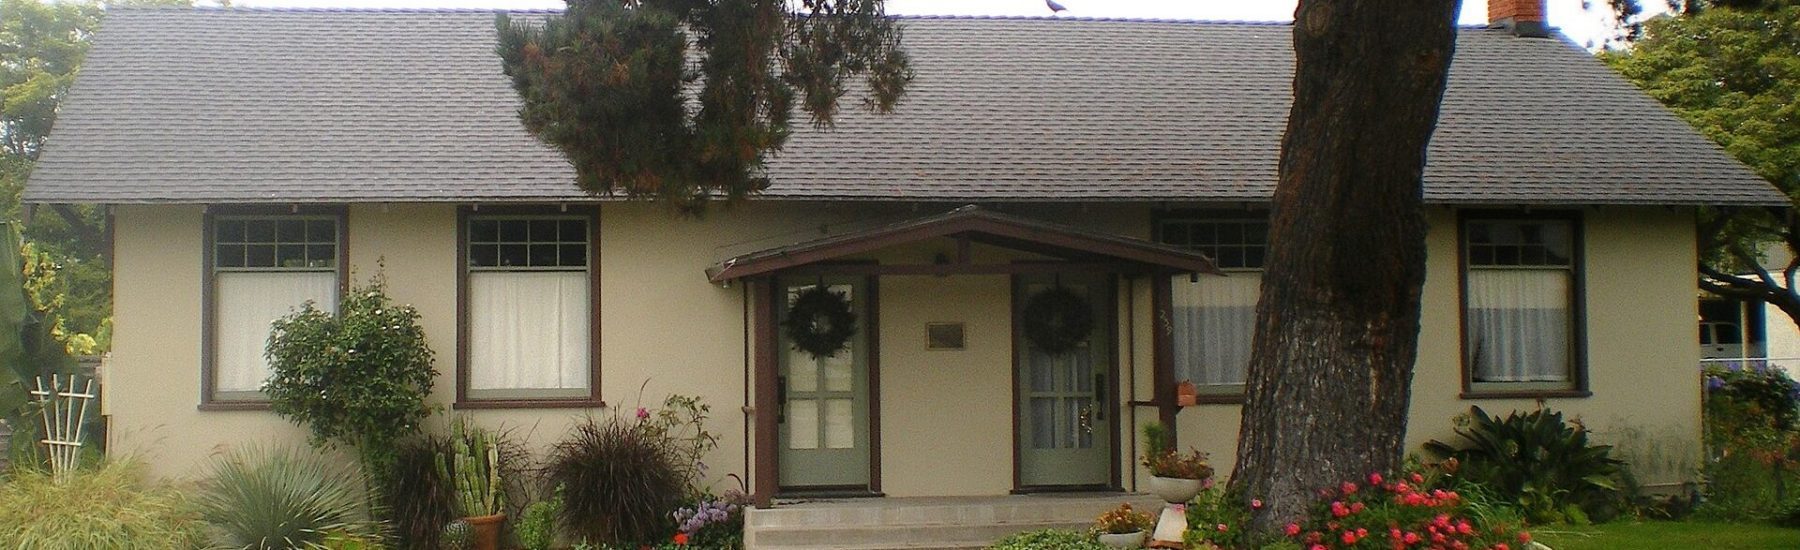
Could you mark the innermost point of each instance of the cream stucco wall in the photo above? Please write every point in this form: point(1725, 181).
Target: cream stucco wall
point(946, 416)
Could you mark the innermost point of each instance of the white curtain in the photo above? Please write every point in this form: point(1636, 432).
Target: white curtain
point(247, 302)
point(1518, 325)
point(528, 330)
point(1215, 319)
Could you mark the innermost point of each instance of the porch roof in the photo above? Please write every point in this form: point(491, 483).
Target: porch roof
point(972, 224)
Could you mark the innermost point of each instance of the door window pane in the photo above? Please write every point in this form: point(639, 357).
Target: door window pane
point(803, 424)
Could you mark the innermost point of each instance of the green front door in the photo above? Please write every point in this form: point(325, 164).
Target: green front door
point(1065, 410)
point(824, 411)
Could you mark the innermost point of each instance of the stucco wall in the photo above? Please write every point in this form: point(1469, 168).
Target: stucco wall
point(946, 416)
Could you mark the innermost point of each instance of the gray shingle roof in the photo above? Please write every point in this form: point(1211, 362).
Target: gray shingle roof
point(346, 105)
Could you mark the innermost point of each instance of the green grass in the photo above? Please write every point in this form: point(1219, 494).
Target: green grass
point(1623, 535)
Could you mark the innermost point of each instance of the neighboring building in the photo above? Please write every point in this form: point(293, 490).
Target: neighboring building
point(254, 159)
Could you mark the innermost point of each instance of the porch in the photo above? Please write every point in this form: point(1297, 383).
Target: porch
point(950, 314)
point(917, 523)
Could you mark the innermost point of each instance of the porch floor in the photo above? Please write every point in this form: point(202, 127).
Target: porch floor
point(919, 523)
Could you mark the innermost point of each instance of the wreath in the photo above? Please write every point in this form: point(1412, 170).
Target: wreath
point(820, 322)
point(1057, 320)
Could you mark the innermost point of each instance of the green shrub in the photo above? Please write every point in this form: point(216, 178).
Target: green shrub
point(281, 498)
point(1212, 508)
point(1536, 460)
point(357, 378)
point(536, 528)
point(112, 507)
point(417, 499)
point(1049, 539)
point(619, 481)
point(1752, 427)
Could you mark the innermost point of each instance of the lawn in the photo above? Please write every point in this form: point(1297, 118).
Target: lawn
point(1622, 535)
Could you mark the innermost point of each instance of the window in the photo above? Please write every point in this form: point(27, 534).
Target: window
point(1214, 318)
point(529, 308)
point(263, 268)
point(1520, 324)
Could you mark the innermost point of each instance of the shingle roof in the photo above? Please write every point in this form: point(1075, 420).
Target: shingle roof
point(353, 105)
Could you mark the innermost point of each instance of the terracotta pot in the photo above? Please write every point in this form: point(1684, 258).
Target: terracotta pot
point(1134, 539)
point(486, 530)
point(1174, 490)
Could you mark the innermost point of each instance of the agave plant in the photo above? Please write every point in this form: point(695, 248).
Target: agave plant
point(280, 498)
point(1538, 460)
point(457, 535)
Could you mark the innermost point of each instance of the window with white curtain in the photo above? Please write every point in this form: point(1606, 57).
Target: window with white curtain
point(529, 308)
point(1520, 330)
point(264, 268)
point(1214, 318)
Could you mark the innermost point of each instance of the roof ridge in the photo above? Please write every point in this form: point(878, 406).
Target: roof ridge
point(292, 9)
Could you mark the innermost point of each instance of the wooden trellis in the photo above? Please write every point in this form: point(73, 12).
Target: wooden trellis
point(64, 411)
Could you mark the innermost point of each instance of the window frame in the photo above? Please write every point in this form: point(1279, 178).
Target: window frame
point(1577, 301)
point(1224, 393)
point(589, 213)
point(209, 304)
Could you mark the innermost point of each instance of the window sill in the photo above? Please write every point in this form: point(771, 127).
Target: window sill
point(1219, 399)
point(530, 404)
point(1524, 394)
point(233, 406)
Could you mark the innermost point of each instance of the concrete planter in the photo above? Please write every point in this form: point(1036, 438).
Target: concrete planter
point(1134, 539)
point(1174, 490)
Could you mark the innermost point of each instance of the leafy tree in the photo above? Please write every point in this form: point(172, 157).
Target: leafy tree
point(610, 84)
point(1734, 73)
point(1337, 326)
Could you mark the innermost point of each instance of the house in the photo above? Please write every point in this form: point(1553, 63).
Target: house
point(254, 159)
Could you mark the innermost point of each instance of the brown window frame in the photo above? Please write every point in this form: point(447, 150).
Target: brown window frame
point(1232, 394)
point(209, 299)
point(1578, 360)
point(463, 214)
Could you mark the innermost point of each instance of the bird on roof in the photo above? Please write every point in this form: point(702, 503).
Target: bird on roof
point(1054, 7)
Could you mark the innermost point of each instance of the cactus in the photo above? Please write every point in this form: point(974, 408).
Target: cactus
point(474, 466)
point(457, 535)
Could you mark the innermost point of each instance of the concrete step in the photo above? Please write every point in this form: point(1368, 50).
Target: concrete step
point(923, 523)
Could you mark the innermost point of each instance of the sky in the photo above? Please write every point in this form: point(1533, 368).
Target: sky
point(1584, 27)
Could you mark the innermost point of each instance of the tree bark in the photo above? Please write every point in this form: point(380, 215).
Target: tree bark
point(1338, 324)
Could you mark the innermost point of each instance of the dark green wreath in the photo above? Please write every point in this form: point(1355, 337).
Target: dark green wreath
point(820, 322)
point(1057, 320)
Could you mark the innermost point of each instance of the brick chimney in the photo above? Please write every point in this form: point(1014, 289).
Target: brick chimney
point(1522, 17)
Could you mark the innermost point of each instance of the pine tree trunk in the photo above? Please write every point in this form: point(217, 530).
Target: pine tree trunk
point(1338, 324)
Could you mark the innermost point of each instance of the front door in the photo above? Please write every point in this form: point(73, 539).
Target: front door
point(824, 400)
point(1065, 410)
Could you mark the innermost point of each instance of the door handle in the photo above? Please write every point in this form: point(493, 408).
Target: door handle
point(1100, 397)
point(781, 400)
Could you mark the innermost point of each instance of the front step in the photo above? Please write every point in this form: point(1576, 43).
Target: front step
point(923, 523)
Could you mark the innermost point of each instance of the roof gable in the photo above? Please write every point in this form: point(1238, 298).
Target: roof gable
point(330, 106)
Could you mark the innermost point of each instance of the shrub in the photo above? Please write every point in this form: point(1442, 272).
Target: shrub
point(1162, 460)
point(1752, 427)
point(619, 481)
point(1049, 539)
point(1538, 461)
point(418, 500)
point(1122, 520)
point(1217, 516)
point(357, 378)
point(111, 506)
point(280, 498)
point(712, 523)
point(1412, 511)
point(536, 528)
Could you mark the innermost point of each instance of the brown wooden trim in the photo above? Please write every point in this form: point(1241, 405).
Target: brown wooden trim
point(872, 322)
point(1018, 460)
point(1017, 268)
point(208, 298)
point(1162, 354)
point(589, 211)
point(1219, 399)
point(767, 376)
point(984, 225)
point(1578, 361)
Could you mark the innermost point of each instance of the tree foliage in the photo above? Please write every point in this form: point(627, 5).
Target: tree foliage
point(612, 84)
point(1734, 73)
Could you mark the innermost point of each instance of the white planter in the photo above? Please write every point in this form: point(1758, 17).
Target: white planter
point(1134, 539)
point(1174, 490)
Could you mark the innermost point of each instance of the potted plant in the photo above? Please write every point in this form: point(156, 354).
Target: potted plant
point(1123, 527)
point(1176, 477)
point(473, 466)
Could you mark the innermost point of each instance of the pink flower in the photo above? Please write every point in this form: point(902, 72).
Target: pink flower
point(1349, 537)
point(1223, 528)
point(643, 413)
point(1317, 547)
point(1375, 478)
point(1348, 488)
point(1412, 538)
point(1256, 504)
point(1418, 478)
point(1293, 529)
point(1524, 536)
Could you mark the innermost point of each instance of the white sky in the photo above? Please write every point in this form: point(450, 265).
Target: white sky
point(1584, 27)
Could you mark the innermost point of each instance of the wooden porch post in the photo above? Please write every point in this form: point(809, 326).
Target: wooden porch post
point(766, 379)
point(1162, 355)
